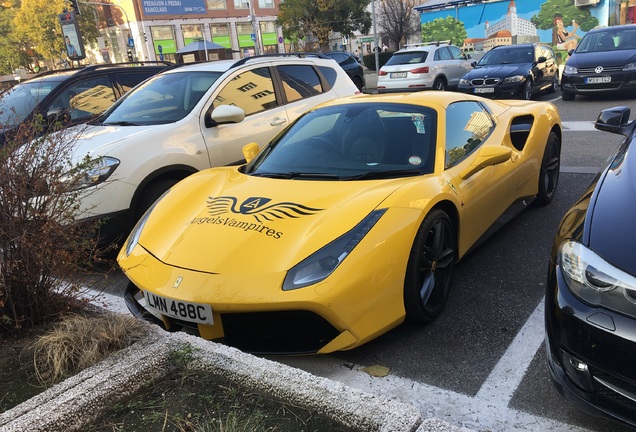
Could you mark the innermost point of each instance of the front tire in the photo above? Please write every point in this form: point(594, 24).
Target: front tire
point(526, 91)
point(430, 269)
point(555, 84)
point(549, 172)
point(567, 96)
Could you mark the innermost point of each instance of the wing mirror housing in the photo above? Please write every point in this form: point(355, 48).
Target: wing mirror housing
point(487, 156)
point(250, 151)
point(58, 115)
point(224, 114)
point(615, 120)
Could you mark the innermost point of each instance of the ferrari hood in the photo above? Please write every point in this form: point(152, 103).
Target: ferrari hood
point(221, 221)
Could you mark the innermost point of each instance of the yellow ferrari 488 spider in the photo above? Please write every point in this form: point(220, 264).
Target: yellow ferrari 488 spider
point(347, 224)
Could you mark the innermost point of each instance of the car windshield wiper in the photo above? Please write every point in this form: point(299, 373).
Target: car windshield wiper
point(385, 174)
point(298, 175)
point(119, 123)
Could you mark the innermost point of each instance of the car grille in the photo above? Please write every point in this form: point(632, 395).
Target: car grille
point(289, 332)
point(605, 69)
point(611, 399)
point(600, 86)
point(485, 81)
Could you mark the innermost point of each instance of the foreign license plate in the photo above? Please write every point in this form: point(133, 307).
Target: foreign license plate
point(484, 90)
point(598, 80)
point(192, 312)
point(398, 74)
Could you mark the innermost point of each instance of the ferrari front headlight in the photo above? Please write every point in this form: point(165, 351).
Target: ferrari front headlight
point(514, 79)
point(595, 281)
point(133, 237)
point(322, 263)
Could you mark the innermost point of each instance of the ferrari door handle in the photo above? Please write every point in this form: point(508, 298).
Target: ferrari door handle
point(277, 121)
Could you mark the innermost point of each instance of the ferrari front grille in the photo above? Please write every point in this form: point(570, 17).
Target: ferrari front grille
point(278, 332)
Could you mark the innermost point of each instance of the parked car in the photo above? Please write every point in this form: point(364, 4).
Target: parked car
point(191, 118)
point(351, 66)
point(590, 305)
point(435, 65)
point(72, 96)
point(604, 61)
point(343, 226)
point(513, 71)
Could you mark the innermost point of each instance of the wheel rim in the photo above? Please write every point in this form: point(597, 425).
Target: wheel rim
point(439, 85)
point(528, 90)
point(555, 84)
point(551, 172)
point(436, 265)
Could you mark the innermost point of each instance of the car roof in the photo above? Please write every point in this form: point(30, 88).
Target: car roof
point(612, 28)
point(426, 46)
point(225, 65)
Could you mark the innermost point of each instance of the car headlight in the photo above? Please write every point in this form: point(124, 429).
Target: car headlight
point(90, 173)
point(570, 70)
point(463, 81)
point(322, 263)
point(514, 79)
point(630, 66)
point(133, 237)
point(595, 281)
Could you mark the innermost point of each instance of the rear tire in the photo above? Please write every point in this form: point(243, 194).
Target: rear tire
point(439, 84)
point(430, 269)
point(549, 172)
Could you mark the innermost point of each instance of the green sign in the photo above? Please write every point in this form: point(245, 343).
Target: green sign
point(245, 41)
point(269, 38)
point(222, 40)
point(168, 46)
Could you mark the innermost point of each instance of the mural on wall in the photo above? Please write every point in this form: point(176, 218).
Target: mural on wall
point(479, 27)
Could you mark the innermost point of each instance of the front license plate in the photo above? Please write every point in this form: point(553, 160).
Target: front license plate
point(192, 312)
point(484, 90)
point(398, 75)
point(598, 80)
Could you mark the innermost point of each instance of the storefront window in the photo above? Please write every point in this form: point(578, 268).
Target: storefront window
point(216, 5)
point(164, 42)
point(192, 32)
point(221, 34)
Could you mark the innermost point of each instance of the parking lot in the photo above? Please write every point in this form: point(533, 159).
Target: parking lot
point(482, 364)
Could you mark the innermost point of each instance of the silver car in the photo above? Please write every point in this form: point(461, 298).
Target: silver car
point(434, 65)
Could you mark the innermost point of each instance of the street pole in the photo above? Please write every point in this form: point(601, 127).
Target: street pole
point(255, 32)
point(376, 49)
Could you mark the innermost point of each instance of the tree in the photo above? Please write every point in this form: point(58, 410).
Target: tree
point(398, 21)
point(448, 28)
point(37, 21)
point(544, 20)
point(13, 50)
point(301, 19)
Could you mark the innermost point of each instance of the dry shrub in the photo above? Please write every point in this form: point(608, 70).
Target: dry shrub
point(42, 247)
point(80, 341)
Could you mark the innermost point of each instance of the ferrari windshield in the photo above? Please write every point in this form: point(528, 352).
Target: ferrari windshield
point(353, 141)
point(17, 103)
point(165, 98)
point(508, 55)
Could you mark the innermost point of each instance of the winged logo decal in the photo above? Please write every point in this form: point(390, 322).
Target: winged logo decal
point(259, 207)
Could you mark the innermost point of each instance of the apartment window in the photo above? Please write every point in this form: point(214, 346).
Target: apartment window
point(241, 4)
point(266, 4)
point(217, 5)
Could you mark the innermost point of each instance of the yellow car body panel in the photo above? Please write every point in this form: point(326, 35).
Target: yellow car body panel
point(228, 240)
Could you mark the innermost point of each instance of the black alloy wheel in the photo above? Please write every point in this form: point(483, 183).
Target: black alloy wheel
point(555, 84)
point(526, 91)
point(549, 172)
point(430, 269)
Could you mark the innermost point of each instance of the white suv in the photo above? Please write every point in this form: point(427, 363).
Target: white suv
point(435, 65)
point(190, 118)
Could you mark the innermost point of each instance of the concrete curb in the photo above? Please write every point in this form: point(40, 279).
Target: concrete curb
point(81, 399)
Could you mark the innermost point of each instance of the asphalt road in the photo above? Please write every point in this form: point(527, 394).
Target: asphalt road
point(482, 363)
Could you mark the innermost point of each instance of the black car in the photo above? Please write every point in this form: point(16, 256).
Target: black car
point(351, 66)
point(603, 61)
point(72, 96)
point(513, 71)
point(590, 302)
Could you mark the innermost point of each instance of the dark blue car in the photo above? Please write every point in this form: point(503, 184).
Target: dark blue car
point(590, 304)
point(513, 72)
point(604, 61)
